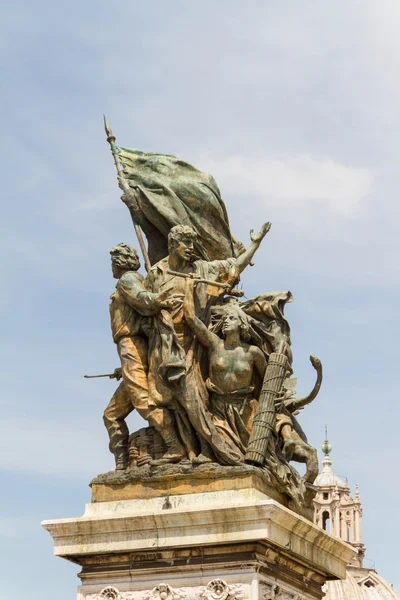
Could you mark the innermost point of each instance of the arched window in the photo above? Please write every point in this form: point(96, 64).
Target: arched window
point(326, 521)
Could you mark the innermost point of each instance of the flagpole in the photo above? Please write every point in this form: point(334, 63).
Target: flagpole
point(126, 187)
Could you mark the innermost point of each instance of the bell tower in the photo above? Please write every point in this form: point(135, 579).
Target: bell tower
point(335, 510)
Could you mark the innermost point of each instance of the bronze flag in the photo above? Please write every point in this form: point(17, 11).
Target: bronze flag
point(172, 192)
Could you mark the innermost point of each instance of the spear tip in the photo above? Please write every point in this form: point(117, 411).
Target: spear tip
point(108, 129)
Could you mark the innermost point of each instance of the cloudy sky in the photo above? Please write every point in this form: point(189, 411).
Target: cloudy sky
point(294, 108)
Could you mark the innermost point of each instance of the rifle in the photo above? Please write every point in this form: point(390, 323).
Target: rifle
point(116, 375)
point(196, 279)
point(199, 279)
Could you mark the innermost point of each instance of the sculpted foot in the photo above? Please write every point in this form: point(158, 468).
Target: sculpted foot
point(173, 457)
point(205, 455)
point(169, 458)
point(175, 451)
point(201, 459)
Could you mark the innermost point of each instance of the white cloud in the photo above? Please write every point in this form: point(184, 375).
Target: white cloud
point(293, 180)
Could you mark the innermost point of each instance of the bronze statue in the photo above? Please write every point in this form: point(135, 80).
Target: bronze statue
point(232, 363)
point(171, 271)
point(294, 442)
point(181, 259)
point(130, 307)
point(211, 374)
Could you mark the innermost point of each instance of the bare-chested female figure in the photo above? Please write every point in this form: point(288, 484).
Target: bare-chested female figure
point(232, 365)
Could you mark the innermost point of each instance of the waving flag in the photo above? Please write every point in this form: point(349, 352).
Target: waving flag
point(172, 192)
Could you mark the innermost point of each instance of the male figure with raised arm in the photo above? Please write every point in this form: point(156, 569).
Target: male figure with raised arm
point(181, 259)
point(166, 274)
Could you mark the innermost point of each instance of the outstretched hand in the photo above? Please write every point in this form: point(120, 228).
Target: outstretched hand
point(169, 301)
point(117, 374)
point(257, 238)
point(238, 248)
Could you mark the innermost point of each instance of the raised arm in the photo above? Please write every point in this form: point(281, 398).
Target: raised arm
point(205, 336)
point(256, 238)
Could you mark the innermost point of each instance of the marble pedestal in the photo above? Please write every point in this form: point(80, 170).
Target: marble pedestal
point(217, 545)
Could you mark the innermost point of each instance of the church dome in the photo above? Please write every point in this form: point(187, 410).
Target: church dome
point(360, 584)
point(327, 478)
point(341, 516)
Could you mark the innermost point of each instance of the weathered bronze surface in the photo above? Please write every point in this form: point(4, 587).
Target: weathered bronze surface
point(212, 375)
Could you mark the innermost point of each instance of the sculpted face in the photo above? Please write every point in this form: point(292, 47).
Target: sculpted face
point(135, 265)
point(184, 248)
point(231, 323)
point(116, 270)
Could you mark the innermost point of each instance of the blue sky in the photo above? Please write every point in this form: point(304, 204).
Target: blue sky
point(293, 107)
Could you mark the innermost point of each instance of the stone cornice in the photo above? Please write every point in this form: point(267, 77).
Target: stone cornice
point(196, 520)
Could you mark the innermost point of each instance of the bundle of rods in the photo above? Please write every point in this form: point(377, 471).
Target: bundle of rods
point(264, 420)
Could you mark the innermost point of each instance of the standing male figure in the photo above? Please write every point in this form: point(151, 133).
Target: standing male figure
point(161, 276)
point(181, 259)
point(130, 309)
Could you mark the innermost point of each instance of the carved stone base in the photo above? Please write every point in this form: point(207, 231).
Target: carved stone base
point(224, 545)
point(152, 481)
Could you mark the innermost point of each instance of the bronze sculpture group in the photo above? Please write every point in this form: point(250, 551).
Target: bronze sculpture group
point(210, 373)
